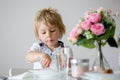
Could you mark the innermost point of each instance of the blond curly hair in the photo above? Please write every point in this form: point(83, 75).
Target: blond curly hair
point(51, 16)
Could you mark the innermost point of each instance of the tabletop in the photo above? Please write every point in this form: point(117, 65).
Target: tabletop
point(42, 75)
point(46, 75)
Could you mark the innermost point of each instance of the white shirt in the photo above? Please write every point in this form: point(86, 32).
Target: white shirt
point(41, 47)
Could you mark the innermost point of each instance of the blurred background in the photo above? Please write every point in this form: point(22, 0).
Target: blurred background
point(16, 29)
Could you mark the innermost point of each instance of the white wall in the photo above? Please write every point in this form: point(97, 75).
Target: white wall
point(16, 28)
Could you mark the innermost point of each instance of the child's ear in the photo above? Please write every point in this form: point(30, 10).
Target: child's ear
point(60, 35)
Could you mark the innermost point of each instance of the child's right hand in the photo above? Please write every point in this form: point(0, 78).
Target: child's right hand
point(45, 60)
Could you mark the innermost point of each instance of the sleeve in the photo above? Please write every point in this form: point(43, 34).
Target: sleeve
point(35, 47)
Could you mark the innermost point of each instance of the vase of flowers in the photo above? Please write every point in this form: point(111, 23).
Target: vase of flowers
point(97, 26)
point(100, 63)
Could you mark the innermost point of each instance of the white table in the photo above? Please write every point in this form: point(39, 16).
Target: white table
point(70, 78)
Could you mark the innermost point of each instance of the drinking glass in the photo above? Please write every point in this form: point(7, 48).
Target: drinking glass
point(56, 60)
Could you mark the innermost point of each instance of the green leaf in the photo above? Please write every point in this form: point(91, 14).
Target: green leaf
point(111, 41)
point(88, 43)
point(105, 36)
point(112, 31)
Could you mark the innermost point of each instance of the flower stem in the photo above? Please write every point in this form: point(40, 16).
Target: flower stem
point(100, 55)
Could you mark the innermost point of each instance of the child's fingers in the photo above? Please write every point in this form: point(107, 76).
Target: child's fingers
point(46, 62)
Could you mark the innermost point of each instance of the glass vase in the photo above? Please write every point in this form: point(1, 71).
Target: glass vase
point(100, 64)
point(119, 48)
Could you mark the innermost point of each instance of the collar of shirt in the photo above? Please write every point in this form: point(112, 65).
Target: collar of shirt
point(47, 50)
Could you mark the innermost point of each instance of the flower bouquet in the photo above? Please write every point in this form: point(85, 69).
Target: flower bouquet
point(95, 30)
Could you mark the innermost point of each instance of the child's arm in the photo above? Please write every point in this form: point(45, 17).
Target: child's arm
point(33, 56)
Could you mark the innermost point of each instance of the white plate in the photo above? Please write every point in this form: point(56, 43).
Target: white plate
point(45, 74)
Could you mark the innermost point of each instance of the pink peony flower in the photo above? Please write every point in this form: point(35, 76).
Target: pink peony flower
point(75, 32)
point(85, 25)
point(98, 29)
point(100, 10)
point(72, 39)
point(87, 13)
point(109, 11)
point(94, 18)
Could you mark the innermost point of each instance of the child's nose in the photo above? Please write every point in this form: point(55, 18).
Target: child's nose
point(48, 34)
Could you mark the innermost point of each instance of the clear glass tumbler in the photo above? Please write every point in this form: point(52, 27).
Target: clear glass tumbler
point(79, 66)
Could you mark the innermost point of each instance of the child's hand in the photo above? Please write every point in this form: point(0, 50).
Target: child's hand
point(45, 60)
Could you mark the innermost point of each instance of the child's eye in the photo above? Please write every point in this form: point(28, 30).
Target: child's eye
point(53, 30)
point(43, 32)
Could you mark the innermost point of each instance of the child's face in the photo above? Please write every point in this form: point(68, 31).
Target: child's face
point(49, 34)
